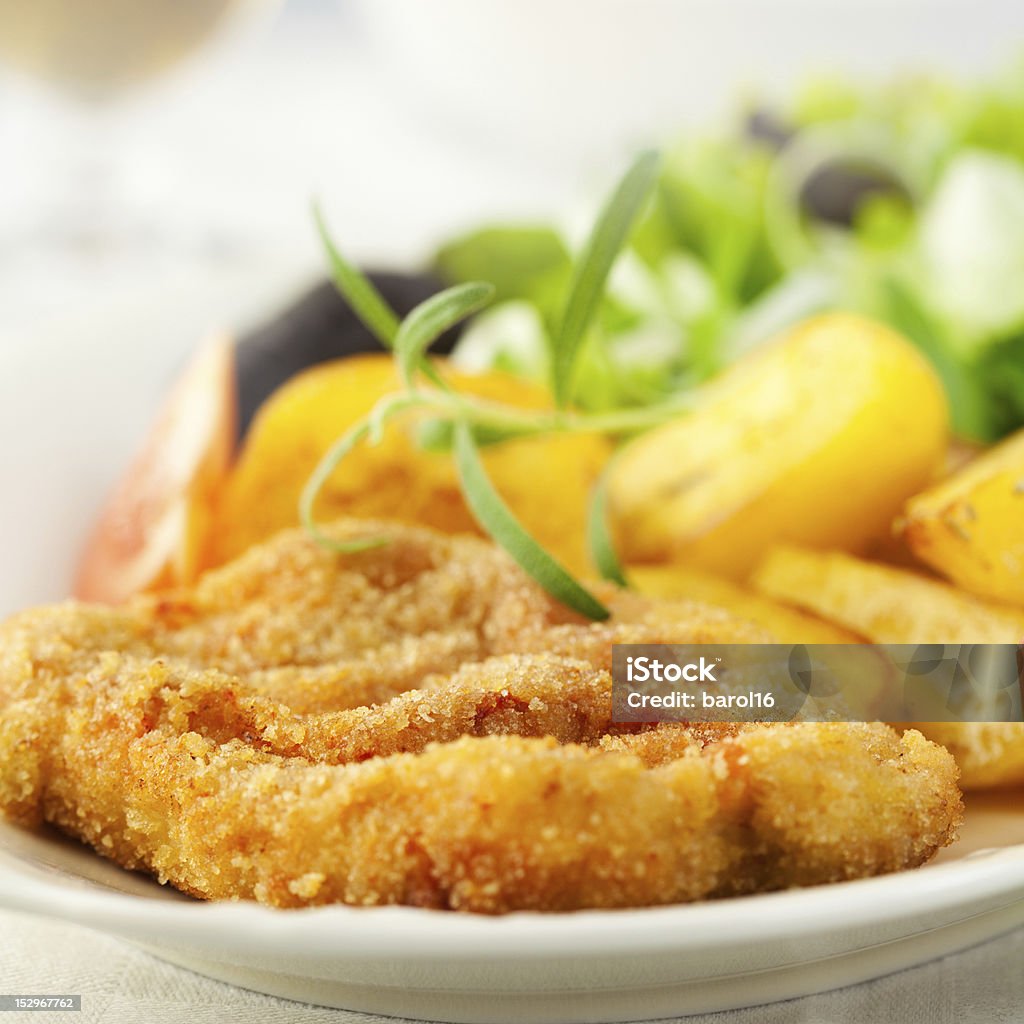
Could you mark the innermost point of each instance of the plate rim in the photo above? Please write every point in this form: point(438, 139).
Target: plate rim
point(994, 876)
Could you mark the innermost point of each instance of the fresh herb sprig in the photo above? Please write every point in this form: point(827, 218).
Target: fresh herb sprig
point(590, 274)
point(464, 421)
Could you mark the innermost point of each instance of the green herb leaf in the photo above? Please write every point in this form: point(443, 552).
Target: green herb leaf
point(971, 245)
point(599, 540)
point(430, 319)
point(522, 262)
point(970, 402)
point(595, 263)
point(358, 291)
point(437, 434)
point(496, 518)
point(315, 484)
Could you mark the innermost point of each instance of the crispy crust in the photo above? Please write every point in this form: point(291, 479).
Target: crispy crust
point(152, 733)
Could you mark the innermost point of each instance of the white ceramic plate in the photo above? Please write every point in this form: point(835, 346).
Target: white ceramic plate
point(593, 966)
point(70, 407)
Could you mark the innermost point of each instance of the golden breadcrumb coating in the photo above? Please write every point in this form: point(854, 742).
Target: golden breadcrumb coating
point(321, 632)
point(821, 801)
point(453, 747)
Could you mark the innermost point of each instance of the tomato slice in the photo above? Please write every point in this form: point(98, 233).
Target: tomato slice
point(153, 530)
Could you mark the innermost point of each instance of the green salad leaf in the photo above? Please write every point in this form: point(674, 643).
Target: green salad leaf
point(821, 203)
point(972, 245)
point(593, 267)
point(528, 262)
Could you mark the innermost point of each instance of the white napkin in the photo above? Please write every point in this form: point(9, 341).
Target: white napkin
point(122, 985)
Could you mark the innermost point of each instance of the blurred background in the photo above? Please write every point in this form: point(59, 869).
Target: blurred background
point(158, 159)
point(170, 148)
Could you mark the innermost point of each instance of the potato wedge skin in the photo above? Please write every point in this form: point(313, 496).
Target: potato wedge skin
point(889, 605)
point(785, 622)
point(817, 439)
point(788, 624)
point(970, 527)
point(884, 604)
point(395, 479)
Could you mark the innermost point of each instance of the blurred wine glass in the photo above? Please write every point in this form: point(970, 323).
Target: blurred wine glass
point(95, 48)
point(70, 164)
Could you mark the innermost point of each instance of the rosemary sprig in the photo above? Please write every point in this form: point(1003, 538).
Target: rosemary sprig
point(592, 269)
point(428, 321)
point(497, 519)
point(367, 303)
point(462, 421)
point(599, 539)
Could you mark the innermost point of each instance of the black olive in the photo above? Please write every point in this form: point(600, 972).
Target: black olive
point(764, 126)
point(834, 192)
point(316, 328)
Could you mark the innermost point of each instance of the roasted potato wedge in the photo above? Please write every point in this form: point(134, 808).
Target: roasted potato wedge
point(890, 606)
point(817, 439)
point(959, 454)
point(884, 604)
point(787, 624)
point(970, 527)
point(892, 548)
point(990, 754)
point(396, 478)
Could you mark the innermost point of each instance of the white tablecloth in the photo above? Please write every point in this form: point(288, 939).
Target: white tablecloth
point(122, 985)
